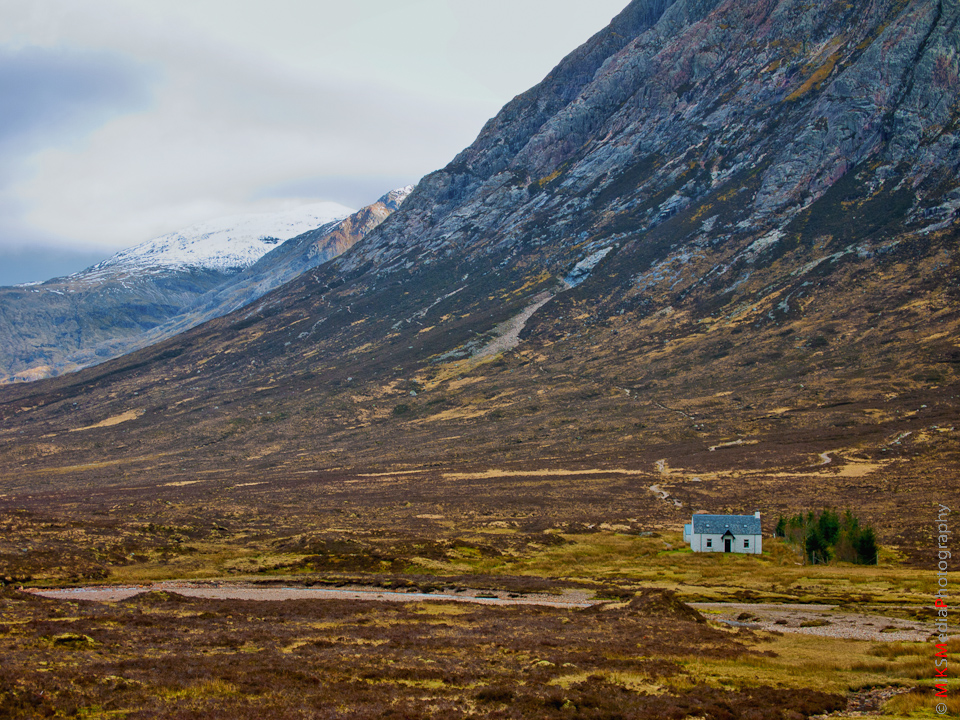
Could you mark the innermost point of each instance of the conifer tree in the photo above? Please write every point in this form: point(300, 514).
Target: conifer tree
point(866, 547)
point(827, 534)
point(816, 547)
point(829, 525)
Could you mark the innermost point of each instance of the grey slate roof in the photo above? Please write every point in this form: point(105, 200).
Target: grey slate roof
point(719, 524)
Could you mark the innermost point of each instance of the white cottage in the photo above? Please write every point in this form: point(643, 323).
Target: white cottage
point(724, 533)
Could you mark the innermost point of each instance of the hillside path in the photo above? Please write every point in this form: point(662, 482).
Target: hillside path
point(509, 332)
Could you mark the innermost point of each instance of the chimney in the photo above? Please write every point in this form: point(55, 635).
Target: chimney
point(757, 514)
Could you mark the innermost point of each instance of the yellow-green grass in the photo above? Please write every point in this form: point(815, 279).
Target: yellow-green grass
point(803, 661)
point(825, 663)
point(777, 574)
point(205, 560)
point(915, 706)
point(602, 558)
point(638, 682)
point(202, 689)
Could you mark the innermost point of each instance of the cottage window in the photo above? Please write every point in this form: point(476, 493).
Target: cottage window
point(746, 544)
point(710, 543)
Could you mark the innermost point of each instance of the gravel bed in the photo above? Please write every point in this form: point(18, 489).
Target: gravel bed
point(836, 622)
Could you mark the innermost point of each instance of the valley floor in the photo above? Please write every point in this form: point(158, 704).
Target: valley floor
point(591, 625)
point(210, 650)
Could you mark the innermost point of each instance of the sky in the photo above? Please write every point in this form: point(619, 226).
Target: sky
point(122, 120)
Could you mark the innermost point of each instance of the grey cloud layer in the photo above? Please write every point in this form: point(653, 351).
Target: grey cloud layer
point(55, 95)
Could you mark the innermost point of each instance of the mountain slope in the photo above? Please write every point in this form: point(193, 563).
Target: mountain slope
point(714, 252)
point(57, 326)
point(275, 268)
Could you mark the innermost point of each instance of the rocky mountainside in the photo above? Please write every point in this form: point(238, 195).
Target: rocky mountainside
point(155, 290)
point(61, 325)
point(715, 250)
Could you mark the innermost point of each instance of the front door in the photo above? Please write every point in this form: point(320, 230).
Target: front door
point(726, 545)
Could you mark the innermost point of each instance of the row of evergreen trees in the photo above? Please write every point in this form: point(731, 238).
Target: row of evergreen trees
point(827, 535)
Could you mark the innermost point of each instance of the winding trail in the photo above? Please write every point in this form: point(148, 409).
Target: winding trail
point(664, 495)
point(661, 466)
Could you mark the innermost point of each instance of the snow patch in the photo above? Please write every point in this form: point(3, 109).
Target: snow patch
point(395, 198)
point(229, 243)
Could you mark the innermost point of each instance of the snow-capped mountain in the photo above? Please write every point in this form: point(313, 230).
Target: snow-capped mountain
point(170, 284)
point(224, 245)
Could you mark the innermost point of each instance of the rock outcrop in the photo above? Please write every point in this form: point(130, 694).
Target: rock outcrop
point(677, 104)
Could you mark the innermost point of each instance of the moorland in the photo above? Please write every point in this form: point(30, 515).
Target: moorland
point(709, 264)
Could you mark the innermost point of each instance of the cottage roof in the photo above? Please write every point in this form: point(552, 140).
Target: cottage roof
point(719, 524)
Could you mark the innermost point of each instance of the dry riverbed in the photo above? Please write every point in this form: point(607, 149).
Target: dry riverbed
point(822, 620)
point(242, 591)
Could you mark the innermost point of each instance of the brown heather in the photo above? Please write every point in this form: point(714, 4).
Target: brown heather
point(774, 327)
point(163, 656)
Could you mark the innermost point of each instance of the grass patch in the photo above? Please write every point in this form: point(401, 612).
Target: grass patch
point(921, 703)
point(804, 661)
point(202, 690)
point(775, 575)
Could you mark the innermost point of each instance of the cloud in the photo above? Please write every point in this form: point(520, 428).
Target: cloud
point(54, 96)
point(225, 137)
point(43, 262)
point(135, 118)
point(353, 190)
